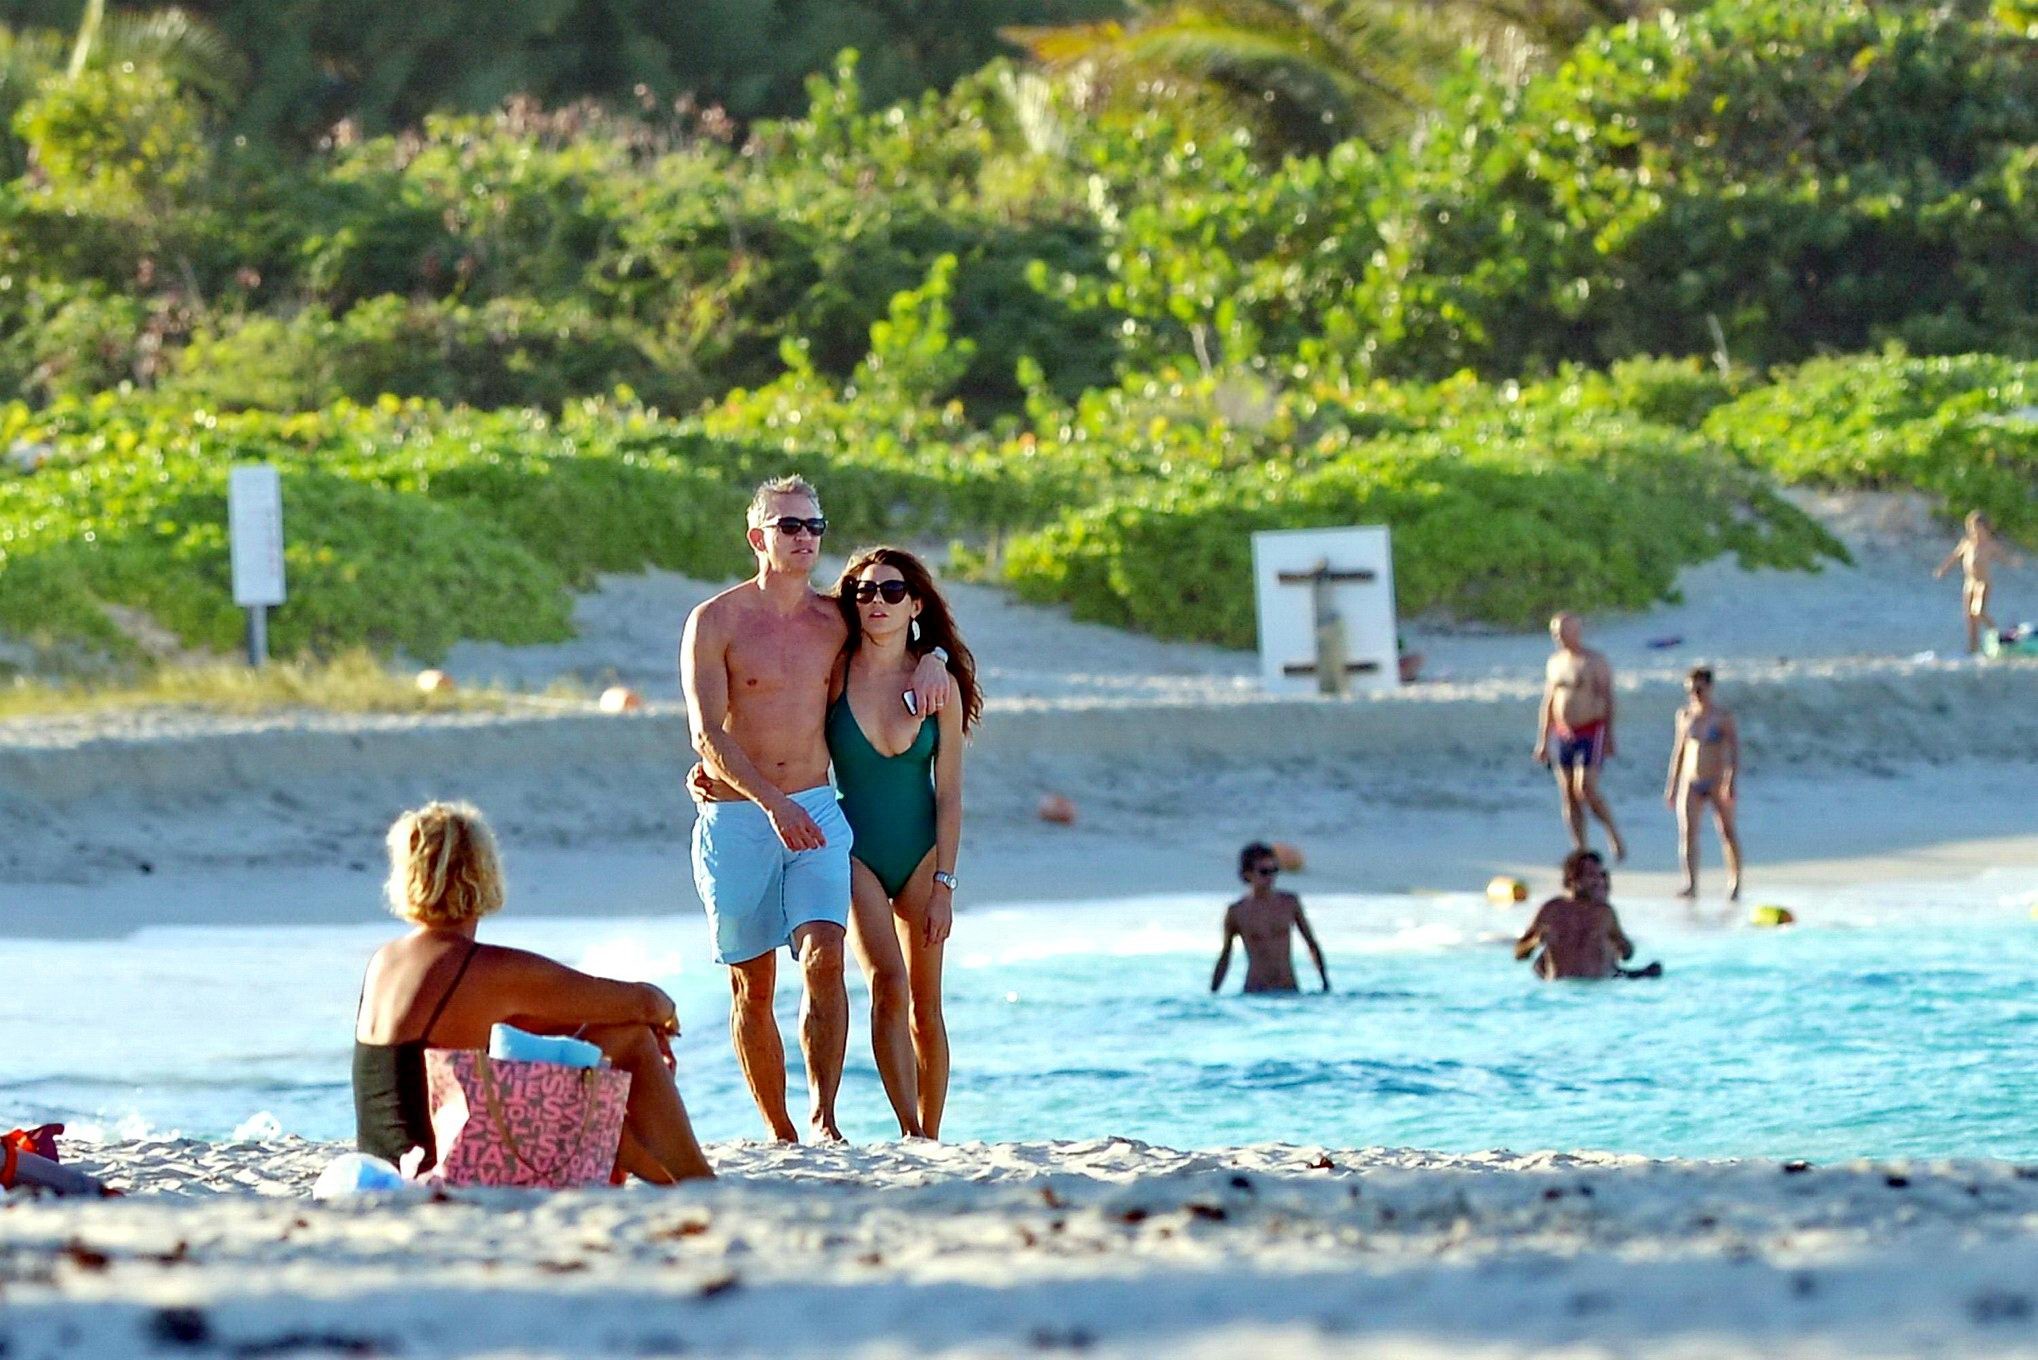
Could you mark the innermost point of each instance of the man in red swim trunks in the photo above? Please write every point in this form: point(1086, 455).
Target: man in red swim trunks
point(1577, 714)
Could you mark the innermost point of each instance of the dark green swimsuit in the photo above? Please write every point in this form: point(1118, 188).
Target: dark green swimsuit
point(889, 800)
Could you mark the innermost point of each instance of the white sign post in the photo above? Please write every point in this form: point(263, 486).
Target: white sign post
point(254, 512)
point(1326, 610)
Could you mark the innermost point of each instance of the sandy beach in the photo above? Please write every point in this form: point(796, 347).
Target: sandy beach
point(1869, 755)
point(1104, 1247)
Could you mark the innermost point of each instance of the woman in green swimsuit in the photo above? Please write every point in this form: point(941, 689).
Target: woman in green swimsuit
point(900, 777)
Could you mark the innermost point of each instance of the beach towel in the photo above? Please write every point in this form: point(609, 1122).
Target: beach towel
point(538, 1124)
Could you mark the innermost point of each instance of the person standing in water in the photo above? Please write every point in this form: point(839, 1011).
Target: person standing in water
point(1977, 553)
point(1266, 920)
point(1578, 934)
point(899, 773)
point(1705, 760)
point(1577, 712)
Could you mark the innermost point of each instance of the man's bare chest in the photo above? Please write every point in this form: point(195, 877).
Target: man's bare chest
point(781, 657)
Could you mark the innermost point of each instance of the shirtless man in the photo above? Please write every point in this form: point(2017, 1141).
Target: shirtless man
point(1578, 711)
point(1578, 933)
point(770, 846)
point(1705, 759)
point(1977, 552)
point(1265, 919)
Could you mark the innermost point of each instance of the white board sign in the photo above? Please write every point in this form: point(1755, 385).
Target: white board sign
point(1359, 588)
point(254, 512)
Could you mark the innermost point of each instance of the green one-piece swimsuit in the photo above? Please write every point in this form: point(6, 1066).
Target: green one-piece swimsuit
point(889, 800)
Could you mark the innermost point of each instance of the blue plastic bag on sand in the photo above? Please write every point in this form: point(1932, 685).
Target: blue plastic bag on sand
point(356, 1173)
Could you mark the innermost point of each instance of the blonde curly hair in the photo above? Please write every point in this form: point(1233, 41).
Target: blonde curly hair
point(443, 867)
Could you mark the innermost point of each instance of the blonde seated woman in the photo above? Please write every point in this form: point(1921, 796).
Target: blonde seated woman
point(440, 987)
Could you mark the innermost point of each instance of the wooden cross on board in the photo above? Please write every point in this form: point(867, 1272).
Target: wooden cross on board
point(1332, 669)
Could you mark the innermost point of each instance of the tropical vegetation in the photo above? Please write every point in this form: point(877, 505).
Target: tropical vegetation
point(1091, 313)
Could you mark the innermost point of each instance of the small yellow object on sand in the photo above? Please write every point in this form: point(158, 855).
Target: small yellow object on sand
point(1505, 892)
point(620, 699)
point(434, 682)
point(1772, 916)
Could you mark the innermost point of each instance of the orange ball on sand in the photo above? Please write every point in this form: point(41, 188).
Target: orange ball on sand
point(1057, 808)
point(434, 682)
point(1289, 857)
point(620, 699)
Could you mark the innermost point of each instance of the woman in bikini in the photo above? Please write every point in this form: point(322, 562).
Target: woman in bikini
point(900, 777)
point(439, 987)
point(1705, 758)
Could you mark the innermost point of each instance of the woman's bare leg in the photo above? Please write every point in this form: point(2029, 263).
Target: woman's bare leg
point(877, 951)
point(1730, 846)
point(655, 1125)
point(923, 972)
point(637, 1160)
point(1687, 840)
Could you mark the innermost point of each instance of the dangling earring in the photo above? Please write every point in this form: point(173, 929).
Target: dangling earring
point(913, 630)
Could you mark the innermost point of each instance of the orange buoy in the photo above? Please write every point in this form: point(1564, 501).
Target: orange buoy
point(1057, 808)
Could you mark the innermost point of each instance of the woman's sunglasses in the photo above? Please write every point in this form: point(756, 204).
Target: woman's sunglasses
point(893, 591)
point(792, 524)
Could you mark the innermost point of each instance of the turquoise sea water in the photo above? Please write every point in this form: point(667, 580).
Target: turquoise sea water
point(1898, 1022)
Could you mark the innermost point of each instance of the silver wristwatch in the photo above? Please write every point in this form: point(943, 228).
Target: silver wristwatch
point(945, 879)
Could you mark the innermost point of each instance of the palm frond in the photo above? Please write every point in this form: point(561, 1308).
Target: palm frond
point(1066, 44)
point(1333, 69)
point(187, 49)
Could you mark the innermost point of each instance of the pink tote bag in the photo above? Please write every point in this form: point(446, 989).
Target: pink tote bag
point(538, 1124)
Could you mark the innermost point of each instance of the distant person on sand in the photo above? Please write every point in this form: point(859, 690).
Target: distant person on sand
point(1578, 934)
point(438, 987)
point(1577, 712)
point(1705, 759)
point(1977, 553)
point(1266, 920)
point(770, 846)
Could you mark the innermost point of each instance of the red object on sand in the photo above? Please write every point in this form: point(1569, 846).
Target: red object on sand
point(30, 1156)
point(41, 1140)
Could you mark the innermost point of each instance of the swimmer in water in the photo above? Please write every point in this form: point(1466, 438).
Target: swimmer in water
point(1265, 920)
point(1705, 759)
point(1578, 933)
point(1977, 552)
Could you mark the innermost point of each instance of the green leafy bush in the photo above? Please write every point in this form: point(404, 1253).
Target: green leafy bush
point(1963, 430)
point(1584, 510)
point(1808, 175)
point(508, 351)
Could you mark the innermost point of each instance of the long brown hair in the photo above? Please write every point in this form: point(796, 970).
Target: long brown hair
point(936, 621)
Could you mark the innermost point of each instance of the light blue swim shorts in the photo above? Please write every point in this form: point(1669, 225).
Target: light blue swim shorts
point(756, 891)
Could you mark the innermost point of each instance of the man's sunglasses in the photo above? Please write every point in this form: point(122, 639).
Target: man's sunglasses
point(791, 524)
point(893, 591)
point(1266, 870)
